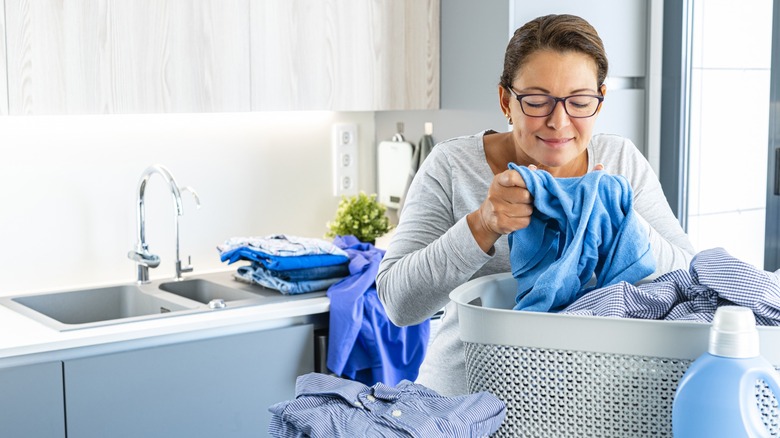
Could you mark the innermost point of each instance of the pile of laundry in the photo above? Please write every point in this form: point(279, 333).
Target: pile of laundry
point(715, 278)
point(585, 252)
point(289, 264)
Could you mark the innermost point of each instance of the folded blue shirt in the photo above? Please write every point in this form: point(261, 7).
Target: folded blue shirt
point(580, 227)
point(313, 273)
point(281, 252)
point(256, 273)
point(282, 263)
point(328, 406)
point(282, 245)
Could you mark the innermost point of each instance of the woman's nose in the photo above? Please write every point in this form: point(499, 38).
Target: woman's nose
point(559, 118)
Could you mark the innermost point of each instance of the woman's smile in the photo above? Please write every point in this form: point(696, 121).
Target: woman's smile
point(556, 143)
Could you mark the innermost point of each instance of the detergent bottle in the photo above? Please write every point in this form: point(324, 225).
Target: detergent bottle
point(717, 395)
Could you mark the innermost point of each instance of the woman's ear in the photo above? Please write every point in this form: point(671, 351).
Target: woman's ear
point(503, 99)
point(603, 91)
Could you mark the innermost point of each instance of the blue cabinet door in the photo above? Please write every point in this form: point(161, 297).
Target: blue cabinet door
point(217, 387)
point(31, 402)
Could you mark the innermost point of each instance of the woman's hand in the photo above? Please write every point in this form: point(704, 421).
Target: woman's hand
point(507, 207)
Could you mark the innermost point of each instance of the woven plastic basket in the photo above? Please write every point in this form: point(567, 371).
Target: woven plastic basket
point(579, 376)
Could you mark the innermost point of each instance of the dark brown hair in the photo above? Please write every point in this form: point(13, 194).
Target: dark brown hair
point(560, 33)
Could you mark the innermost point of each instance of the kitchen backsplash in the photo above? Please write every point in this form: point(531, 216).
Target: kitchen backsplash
point(68, 186)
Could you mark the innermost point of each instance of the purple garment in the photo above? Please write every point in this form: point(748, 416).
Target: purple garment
point(363, 344)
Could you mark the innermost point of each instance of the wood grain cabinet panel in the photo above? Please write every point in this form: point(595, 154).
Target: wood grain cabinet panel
point(117, 56)
point(161, 56)
point(345, 55)
point(3, 69)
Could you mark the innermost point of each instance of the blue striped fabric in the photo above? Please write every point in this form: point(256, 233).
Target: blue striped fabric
point(715, 279)
point(328, 406)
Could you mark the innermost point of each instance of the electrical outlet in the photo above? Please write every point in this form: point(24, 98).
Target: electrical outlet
point(345, 163)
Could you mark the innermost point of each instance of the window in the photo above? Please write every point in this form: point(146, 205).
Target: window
point(729, 125)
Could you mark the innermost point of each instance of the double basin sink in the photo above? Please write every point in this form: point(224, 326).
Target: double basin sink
point(94, 307)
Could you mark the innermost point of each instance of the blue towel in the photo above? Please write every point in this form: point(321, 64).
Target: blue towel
point(363, 344)
point(580, 227)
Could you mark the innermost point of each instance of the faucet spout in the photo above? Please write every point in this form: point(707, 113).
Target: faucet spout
point(141, 255)
point(179, 267)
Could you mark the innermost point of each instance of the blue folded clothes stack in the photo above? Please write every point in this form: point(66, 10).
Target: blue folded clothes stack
point(289, 264)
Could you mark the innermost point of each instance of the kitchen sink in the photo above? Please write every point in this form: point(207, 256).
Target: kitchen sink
point(204, 291)
point(132, 302)
point(90, 307)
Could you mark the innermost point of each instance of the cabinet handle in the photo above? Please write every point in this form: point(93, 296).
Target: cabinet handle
point(777, 171)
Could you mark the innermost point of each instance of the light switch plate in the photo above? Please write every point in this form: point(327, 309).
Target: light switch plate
point(345, 159)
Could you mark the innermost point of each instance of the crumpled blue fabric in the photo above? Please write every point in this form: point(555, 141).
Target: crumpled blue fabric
point(714, 279)
point(363, 344)
point(580, 227)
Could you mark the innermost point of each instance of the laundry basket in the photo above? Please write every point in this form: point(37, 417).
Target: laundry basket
point(583, 376)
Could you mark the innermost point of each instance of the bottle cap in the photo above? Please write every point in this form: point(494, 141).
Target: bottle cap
point(733, 333)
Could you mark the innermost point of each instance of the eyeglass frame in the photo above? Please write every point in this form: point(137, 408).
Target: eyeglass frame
point(519, 98)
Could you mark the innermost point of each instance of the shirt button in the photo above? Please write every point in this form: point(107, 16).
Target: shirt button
point(371, 398)
point(396, 413)
point(358, 404)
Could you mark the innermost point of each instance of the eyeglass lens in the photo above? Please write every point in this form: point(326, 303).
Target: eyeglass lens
point(543, 105)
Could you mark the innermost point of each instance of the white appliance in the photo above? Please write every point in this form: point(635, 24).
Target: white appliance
point(394, 162)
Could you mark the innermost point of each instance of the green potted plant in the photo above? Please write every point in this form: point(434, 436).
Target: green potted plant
point(361, 216)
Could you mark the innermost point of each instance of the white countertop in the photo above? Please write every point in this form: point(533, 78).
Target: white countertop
point(24, 340)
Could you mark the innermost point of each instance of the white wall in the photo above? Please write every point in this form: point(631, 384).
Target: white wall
point(68, 187)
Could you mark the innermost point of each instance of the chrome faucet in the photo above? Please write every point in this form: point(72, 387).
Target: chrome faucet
point(141, 255)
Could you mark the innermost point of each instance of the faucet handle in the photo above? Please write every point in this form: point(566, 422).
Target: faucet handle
point(188, 268)
point(144, 258)
point(194, 194)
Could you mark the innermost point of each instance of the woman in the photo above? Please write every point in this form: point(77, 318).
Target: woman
point(463, 201)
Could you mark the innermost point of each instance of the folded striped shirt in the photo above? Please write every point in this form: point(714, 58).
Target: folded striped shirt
point(328, 406)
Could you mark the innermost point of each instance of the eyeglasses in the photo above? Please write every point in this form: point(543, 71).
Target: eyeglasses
point(578, 106)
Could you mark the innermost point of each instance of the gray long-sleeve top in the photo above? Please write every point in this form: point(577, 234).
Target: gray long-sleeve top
point(433, 250)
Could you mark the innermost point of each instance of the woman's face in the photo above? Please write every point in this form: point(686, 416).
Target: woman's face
point(556, 141)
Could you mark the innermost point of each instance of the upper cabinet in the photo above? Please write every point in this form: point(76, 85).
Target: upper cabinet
point(3, 69)
point(347, 55)
point(118, 56)
point(144, 56)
